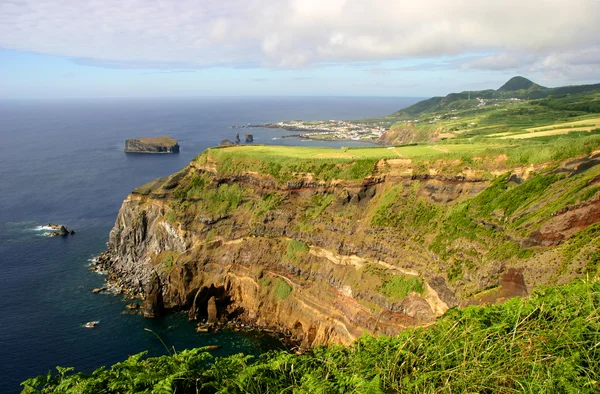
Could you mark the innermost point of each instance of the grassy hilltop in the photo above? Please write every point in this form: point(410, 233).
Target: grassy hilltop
point(536, 163)
point(516, 106)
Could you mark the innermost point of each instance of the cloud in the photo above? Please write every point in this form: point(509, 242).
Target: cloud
point(571, 64)
point(188, 34)
point(501, 61)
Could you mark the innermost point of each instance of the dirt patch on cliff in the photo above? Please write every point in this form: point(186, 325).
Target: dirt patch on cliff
point(566, 223)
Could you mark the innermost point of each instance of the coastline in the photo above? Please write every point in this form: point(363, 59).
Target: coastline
point(308, 137)
point(309, 133)
point(115, 285)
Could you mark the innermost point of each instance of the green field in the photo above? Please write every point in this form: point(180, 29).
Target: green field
point(440, 150)
point(497, 114)
point(285, 163)
point(298, 152)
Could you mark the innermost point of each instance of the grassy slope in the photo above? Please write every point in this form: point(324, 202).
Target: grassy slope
point(491, 112)
point(545, 344)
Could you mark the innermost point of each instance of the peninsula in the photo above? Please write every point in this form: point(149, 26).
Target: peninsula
point(162, 144)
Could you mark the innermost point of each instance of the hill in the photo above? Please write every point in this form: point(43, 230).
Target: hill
point(519, 83)
point(517, 105)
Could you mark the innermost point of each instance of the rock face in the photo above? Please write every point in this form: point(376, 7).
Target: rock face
point(152, 145)
point(58, 230)
point(153, 304)
point(249, 138)
point(211, 310)
point(327, 261)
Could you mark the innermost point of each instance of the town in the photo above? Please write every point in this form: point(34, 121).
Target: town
point(333, 129)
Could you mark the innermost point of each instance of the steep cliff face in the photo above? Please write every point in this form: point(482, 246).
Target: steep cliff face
point(331, 259)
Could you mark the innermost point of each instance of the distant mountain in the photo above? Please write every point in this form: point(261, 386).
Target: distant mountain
point(519, 83)
point(516, 87)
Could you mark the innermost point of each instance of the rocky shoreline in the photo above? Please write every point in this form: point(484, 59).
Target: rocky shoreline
point(234, 321)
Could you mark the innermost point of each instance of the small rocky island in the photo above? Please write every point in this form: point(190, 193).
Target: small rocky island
point(162, 144)
point(58, 230)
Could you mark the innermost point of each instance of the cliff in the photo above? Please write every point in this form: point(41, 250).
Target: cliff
point(152, 145)
point(331, 244)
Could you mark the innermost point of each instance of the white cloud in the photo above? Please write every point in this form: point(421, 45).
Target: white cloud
point(502, 61)
point(570, 65)
point(296, 33)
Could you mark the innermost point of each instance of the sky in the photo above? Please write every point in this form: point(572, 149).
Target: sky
point(186, 48)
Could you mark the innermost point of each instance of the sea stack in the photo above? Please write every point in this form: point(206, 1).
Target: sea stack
point(162, 144)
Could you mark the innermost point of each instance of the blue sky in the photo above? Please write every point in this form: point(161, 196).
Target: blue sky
point(161, 48)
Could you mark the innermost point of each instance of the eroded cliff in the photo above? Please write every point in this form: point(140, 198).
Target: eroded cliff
point(331, 249)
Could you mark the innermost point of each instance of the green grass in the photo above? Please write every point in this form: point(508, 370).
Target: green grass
point(398, 287)
point(209, 197)
point(395, 209)
point(268, 202)
point(277, 288)
point(304, 152)
point(286, 163)
point(467, 119)
point(318, 204)
point(171, 216)
point(506, 200)
point(281, 289)
point(296, 249)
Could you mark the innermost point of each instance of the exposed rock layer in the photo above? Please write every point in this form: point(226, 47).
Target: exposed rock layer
point(327, 261)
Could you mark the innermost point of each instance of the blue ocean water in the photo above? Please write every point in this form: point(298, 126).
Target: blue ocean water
point(63, 162)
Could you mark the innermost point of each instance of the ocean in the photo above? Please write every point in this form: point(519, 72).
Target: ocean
point(62, 161)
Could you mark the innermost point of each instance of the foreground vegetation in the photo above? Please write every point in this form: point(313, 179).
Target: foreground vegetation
point(547, 343)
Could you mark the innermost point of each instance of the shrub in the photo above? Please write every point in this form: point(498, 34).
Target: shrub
point(399, 286)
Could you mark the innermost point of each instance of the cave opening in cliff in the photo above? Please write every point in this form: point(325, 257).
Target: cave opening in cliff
point(213, 304)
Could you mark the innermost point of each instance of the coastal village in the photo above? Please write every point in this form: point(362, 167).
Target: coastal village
point(333, 129)
point(371, 130)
